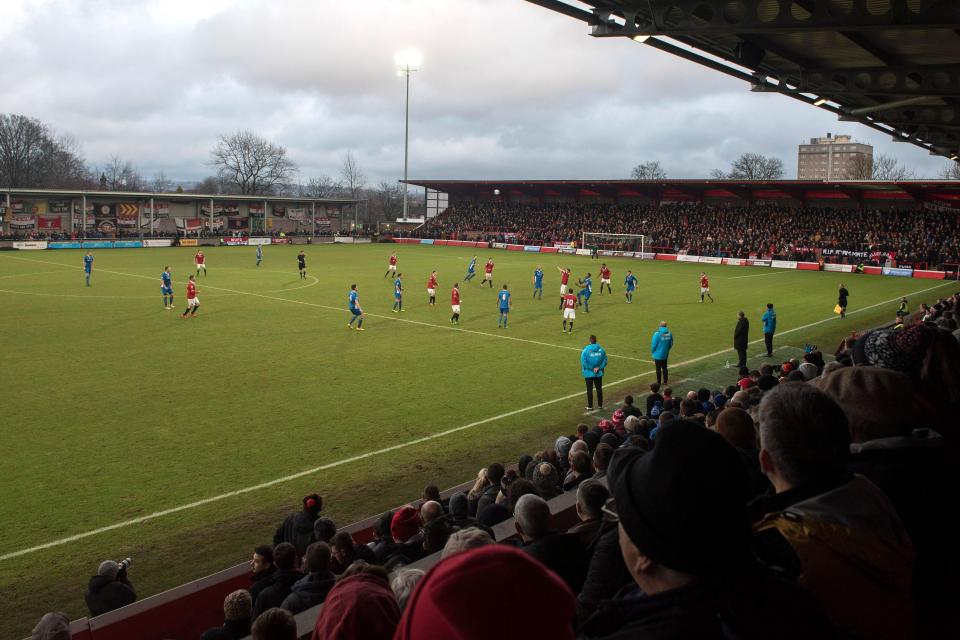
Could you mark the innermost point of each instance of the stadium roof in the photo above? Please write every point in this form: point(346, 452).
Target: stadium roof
point(174, 197)
point(943, 191)
point(892, 65)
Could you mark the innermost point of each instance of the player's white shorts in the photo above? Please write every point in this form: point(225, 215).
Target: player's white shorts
point(563, 289)
point(455, 307)
point(569, 314)
point(704, 290)
point(193, 302)
point(431, 292)
point(201, 265)
point(488, 275)
point(391, 267)
point(604, 280)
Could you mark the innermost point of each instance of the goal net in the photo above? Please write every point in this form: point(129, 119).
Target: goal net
point(615, 241)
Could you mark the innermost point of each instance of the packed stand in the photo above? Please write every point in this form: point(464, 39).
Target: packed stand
point(927, 237)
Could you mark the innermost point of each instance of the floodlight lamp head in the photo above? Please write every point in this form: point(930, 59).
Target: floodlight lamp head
point(408, 59)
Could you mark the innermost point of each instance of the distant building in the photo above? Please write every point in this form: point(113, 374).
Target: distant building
point(834, 158)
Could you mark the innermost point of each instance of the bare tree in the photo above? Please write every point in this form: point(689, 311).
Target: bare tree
point(32, 156)
point(352, 177)
point(951, 171)
point(861, 167)
point(389, 196)
point(752, 166)
point(354, 180)
point(322, 186)
point(211, 185)
point(161, 183)
point(120, 175)
point(255, 165)
point(648, 171)
point(889, 168)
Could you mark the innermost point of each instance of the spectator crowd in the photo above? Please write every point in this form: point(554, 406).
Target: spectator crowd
point(927, 237)
point(806, 499)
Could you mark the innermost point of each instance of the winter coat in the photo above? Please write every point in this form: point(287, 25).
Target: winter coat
point(260, 582)
point(758, 607)
point(854, 555)
point(741, 334)
point(106, 594)
point(593, 356)
point(297, 529)
point(769, 320)
point(309, 591)
point(661, 343)
point(279, 589)
point(231, 630)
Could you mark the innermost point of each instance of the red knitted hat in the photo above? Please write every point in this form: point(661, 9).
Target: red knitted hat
point(444, 603)
point(405, 523)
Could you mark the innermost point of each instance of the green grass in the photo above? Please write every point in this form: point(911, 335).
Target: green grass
point(115, 408)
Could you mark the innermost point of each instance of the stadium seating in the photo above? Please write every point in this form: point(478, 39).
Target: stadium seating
point(926, 238)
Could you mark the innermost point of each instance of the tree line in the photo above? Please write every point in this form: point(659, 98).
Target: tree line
point(755, 166)
point(33, 155)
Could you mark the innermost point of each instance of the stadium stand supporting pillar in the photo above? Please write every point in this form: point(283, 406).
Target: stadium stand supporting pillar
point(313, 218)
point(83, 214)
point(211, 217)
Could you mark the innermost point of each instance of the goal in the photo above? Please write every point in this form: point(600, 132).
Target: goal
point(615, 241)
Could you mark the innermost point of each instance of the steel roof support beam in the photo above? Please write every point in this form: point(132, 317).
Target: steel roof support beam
point(928, 80)
point(733, 17)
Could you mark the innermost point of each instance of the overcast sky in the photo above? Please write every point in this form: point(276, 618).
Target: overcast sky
point(506, 89)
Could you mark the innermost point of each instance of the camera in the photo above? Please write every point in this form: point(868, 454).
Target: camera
point(125, 563)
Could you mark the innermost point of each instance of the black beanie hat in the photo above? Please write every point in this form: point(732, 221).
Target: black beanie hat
point(683, 504)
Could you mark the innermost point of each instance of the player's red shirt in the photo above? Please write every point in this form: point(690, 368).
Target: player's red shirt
point(191, 289)
point(199, 257)
point(432, 282)
point(605, 273)
point(565, 278)
point(569, 301)
point(704, 282)
point(393, 260)
point(455, 296)
point(489, 266)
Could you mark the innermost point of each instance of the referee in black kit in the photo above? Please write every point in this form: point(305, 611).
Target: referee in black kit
point(842, 295)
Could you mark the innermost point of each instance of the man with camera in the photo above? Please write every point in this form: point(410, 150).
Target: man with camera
point(110, 589)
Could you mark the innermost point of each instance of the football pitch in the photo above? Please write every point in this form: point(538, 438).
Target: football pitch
point(129, 431)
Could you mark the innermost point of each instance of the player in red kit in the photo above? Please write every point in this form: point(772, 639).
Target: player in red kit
point(193, 303)
point(455, 303)
point(488, 273)
point(432, 288)
point(564, 279)
point(705, 287)
point(199, 260)
point(392, 267)
point(569, 310)
point(605, 279)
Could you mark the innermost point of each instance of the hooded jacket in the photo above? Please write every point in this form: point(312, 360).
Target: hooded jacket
point(106, 594)
point(769, 319)
point(593, 356)
point(279, 589)
point(661, 343)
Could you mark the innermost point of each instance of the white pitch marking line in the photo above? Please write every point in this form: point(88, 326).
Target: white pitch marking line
point(760, 275)
point(396, 447)
point(372, 315)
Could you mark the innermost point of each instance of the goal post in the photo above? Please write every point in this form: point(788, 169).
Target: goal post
point(615, 241)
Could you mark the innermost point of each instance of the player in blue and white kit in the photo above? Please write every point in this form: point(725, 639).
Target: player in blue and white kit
point(88, 266)
point(631, 283)
point(166, 288)
point(538, 282)
point(259, 254)
point(503, 301)
point(471, 270)
point(397, 294)
point(353, 301)
point(585, 292)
